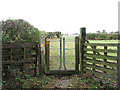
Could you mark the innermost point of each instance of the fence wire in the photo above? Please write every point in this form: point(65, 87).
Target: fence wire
point(68, 54)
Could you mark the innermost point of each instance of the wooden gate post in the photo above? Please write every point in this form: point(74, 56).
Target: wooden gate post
point(77, 54)
point(47, 42)
point(118, 69)
point(82, 41)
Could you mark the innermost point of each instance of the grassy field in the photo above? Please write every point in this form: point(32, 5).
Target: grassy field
point(70, 52)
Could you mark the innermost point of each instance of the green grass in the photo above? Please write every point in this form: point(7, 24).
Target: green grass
point(103, 41)
point(70, 52)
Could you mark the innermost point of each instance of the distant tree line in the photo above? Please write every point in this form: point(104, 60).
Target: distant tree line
point(103, 36)
point(56, 34)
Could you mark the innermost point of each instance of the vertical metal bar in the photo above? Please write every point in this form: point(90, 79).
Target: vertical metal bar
point(42, 42)
point(64, 53)
point(60, 53)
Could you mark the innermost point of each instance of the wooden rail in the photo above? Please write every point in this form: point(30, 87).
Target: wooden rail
point(99, 60)
point(101, 44)
point(20, 53)
point(101, 64)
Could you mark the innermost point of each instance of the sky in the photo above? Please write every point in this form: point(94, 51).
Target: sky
point(67, 16)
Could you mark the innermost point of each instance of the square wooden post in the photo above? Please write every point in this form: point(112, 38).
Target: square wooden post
point(82, 41)
point(47, 42)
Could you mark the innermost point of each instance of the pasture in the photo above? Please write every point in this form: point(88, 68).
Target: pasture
point(70, 52)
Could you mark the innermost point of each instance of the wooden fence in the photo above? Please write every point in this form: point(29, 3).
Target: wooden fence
point(100, 59)
point(20, 54)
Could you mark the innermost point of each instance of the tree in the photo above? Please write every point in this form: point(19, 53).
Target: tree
point(104, 31)
point(98, 31)
point(51, 34)
point(58, 34)
point(19, 30)
point(117, 32)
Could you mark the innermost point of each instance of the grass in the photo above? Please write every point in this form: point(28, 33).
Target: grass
point(70, 52)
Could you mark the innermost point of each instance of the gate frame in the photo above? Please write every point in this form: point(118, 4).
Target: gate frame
point(47, 69)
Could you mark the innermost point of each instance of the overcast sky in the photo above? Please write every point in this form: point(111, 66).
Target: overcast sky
point(67, 16)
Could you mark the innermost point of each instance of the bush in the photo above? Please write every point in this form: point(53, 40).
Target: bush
point(19, 31)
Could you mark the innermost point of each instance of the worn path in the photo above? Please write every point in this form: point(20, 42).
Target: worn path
point(63, 83)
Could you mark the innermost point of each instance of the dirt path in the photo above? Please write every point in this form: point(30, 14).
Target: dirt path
point(63, 83)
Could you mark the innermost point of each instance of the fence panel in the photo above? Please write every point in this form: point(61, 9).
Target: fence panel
point(23, 56)
point(100, 60)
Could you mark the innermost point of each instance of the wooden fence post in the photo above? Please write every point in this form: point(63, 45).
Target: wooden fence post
point(77, 53)
point(82, 41)
point(118, 69)
point(47, 42)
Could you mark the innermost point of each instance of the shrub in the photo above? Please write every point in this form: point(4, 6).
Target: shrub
point(19, 31)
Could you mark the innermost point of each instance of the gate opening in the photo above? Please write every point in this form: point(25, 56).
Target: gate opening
point(62, 56)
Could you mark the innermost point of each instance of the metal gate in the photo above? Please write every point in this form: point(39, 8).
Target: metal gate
point(62, 55)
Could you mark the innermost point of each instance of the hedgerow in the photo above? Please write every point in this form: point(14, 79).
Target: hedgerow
point(102, 36)
point(18, 30)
